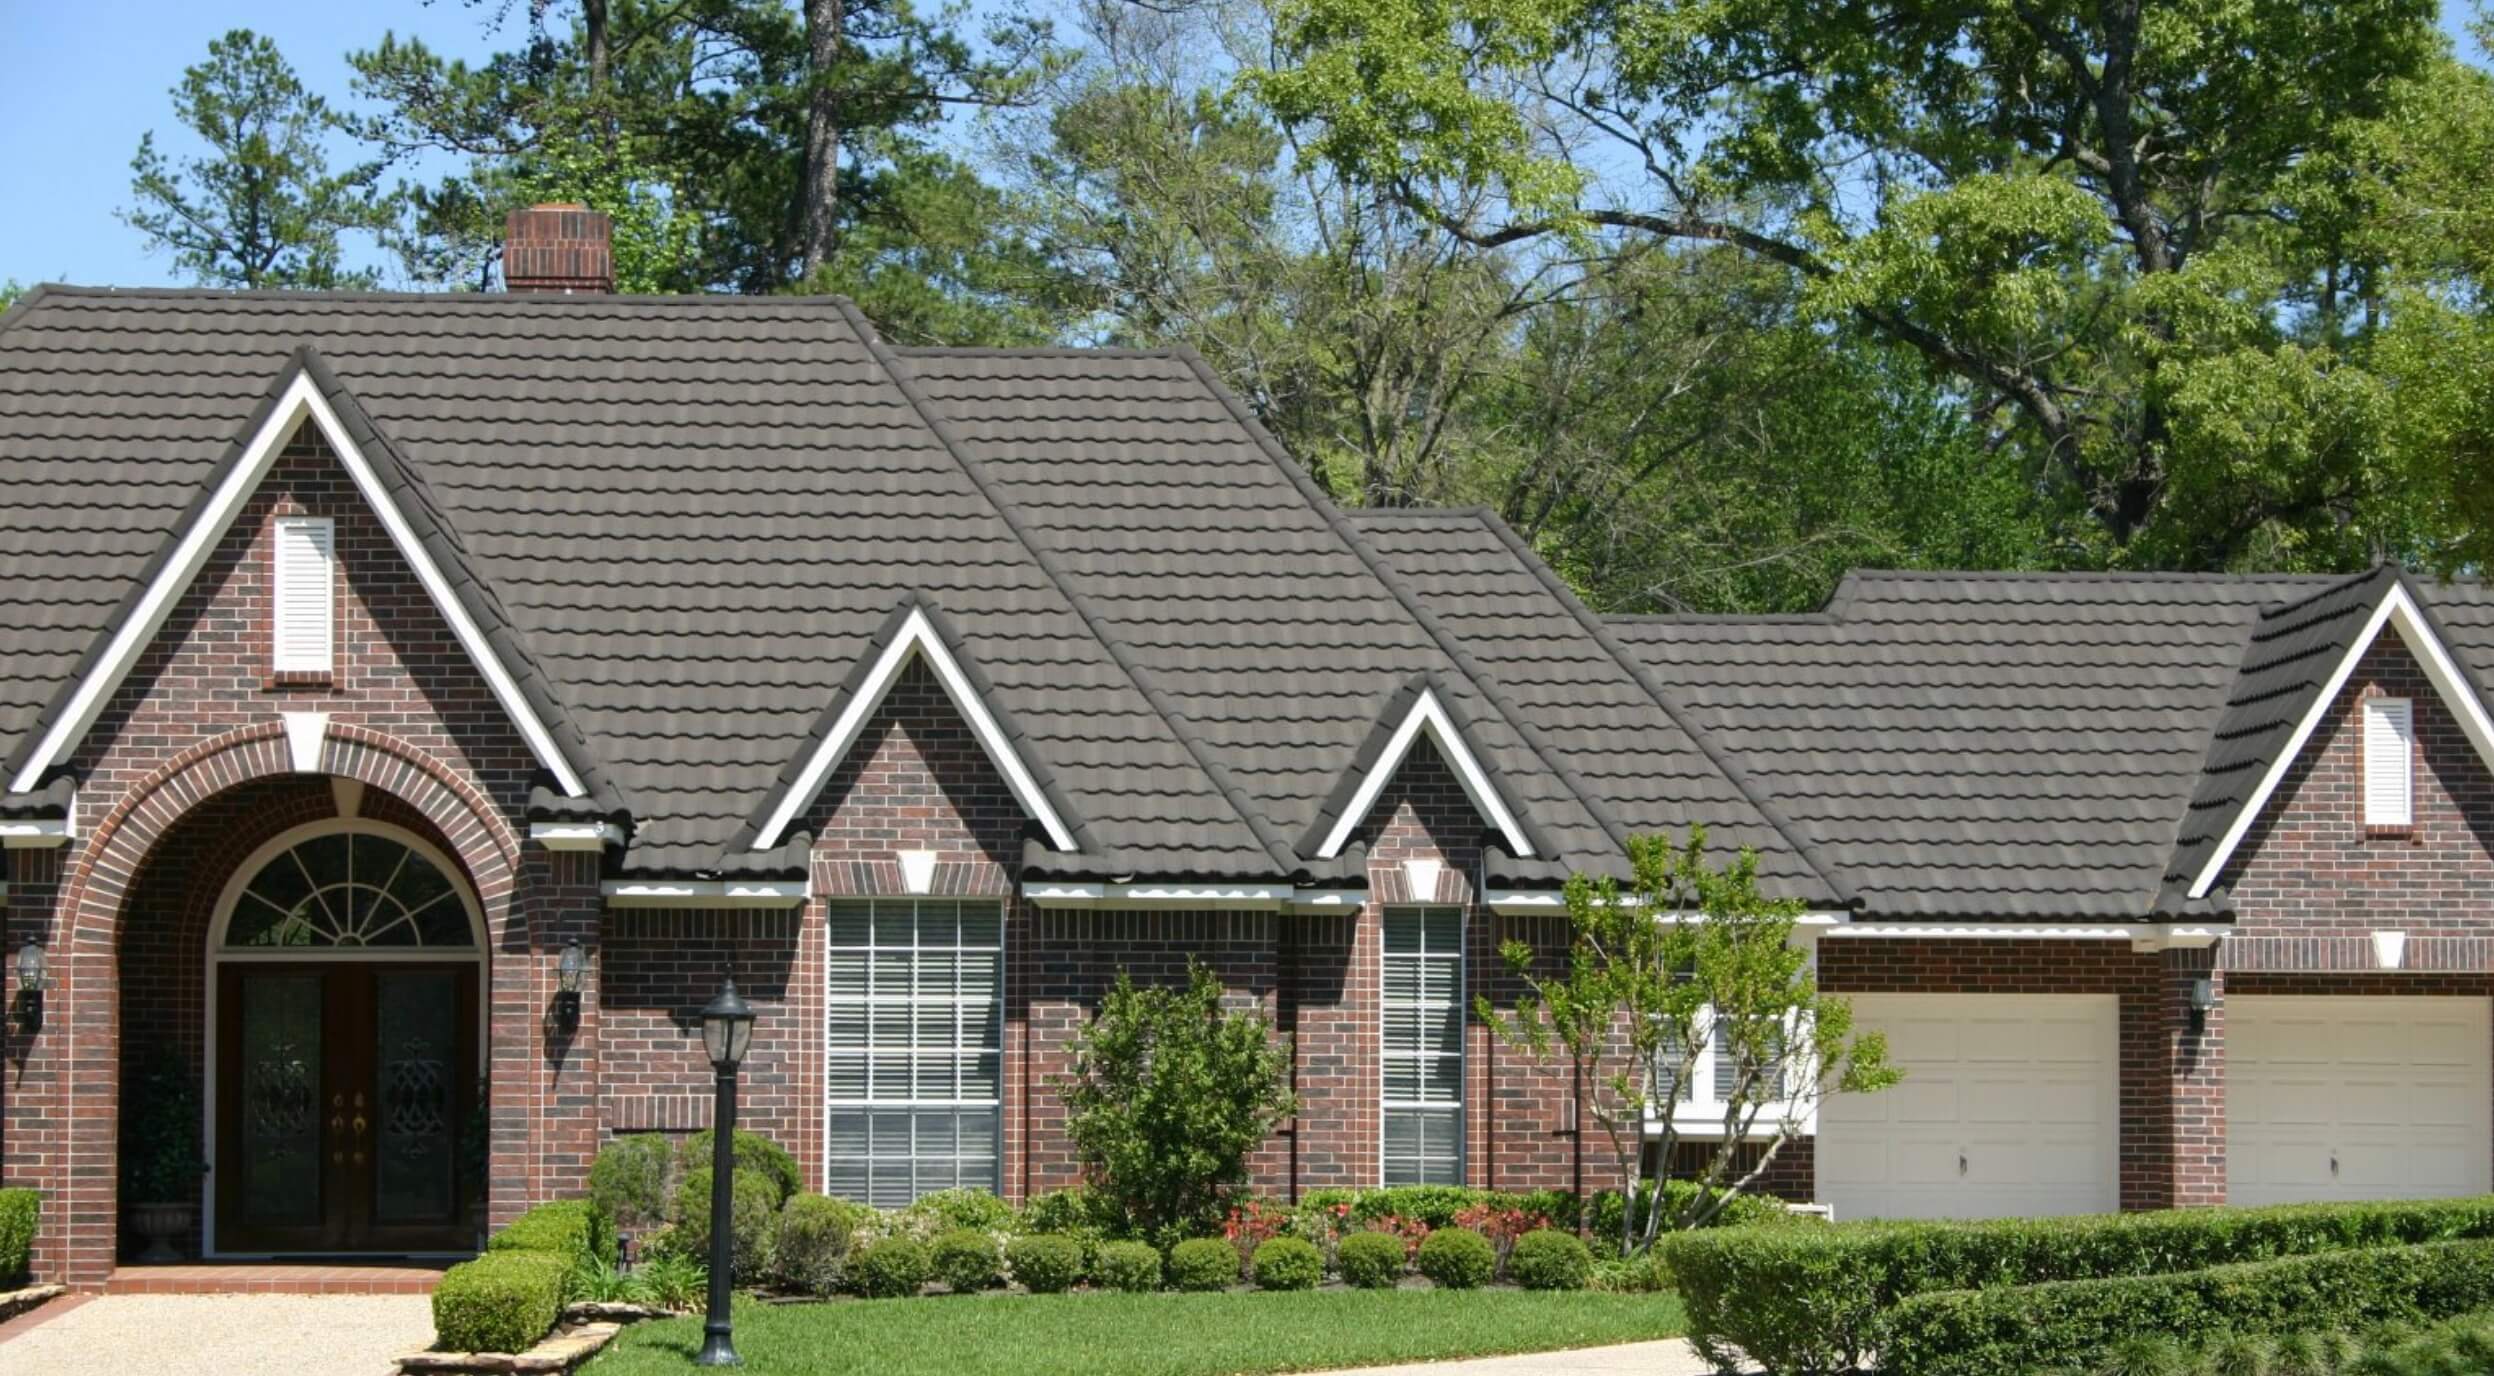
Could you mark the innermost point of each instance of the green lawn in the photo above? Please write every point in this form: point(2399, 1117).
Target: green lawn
point(1149, 1335)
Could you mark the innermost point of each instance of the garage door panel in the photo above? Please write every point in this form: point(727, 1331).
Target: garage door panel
point(2397, 1093)
point(2008, 1107)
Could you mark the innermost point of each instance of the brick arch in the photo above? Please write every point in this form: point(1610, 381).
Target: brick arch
point(82, 1232)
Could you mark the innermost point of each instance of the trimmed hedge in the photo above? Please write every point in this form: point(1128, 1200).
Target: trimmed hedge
point(966, 1260)
point(1370, 1261)
point(752, 1152)
point(1203, 1263)
point(1809, 1300)
point(1457, 1258)
point(19, 1209)
point(504, 1301)
point(2061, 1323)
point(1288, 1263)
point(891, 1269)
point(753, 1220)
point(628, 1180)
point(811, 1251)
point(1045, 1263)
point(1133, 1267)
point(1547, 1259)
point(573, 1229)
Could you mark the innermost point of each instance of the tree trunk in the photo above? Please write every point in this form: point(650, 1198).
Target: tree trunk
point(822, 132)
point(593, 27)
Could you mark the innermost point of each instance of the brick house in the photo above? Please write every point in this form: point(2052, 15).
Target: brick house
point(372, 658)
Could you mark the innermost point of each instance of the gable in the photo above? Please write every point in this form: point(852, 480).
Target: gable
point(305, 401)
point(1418, 713)
point(910, 640)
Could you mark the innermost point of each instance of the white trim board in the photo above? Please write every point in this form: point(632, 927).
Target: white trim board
point(703, 893)
point(917, 639)
point(1427, 715)
point(575, 835)
point(300, 400)
point(2400, 612)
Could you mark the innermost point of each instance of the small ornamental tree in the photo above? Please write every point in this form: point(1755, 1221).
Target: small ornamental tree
point(1168, 1094)
point(1687, 956)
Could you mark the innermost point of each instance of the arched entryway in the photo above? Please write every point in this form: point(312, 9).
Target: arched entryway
point(345, 1032)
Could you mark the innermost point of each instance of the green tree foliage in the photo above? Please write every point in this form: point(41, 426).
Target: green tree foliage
point(2122, 232)
point(1632, 1001)
point(10, 290)
point(262, 209)
point(1168, 1094)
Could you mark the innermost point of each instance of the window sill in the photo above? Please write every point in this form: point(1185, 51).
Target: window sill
point(2376, 832)
point(282, 680)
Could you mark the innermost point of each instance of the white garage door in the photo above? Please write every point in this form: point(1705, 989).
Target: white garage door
point(2357, 1098)
point(2010, 1105)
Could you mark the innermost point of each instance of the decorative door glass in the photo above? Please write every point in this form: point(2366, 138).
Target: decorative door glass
point(349, 889)
point(414, 1140)
point(281, 1077)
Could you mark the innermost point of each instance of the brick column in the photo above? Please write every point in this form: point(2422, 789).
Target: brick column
point(2195, 1077)
point(565, 908)
point(34, 1104)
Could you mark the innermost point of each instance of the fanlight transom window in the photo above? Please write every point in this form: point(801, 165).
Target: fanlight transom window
point(349, 889)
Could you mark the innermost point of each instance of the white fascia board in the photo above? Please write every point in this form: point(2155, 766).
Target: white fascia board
point(1430, 716)
point(703, 893)
point(917, 638)
point(42, 833)
point(575, 835)
point(1261, 897)
point(2396, 610)
point(301, 399)
point(1328, 900)
point(2164, 933)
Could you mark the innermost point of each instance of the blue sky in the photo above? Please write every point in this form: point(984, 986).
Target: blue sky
point(84, 78)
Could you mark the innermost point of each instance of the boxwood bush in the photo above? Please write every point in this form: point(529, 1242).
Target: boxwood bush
point(1288, 1263)
point(501, 1302)
point(19, 1209)
point(976, 1210)
point(811, 1251)
point(1045, 1263)
point(966, 1260)
point(894, 1268)
point(1370, 1261)
point(1203, 1263)
point(574, 1229)
point(628, 1180)
point(1133, 1267)
point(753, 1220)
point(1804, 1300)
point(753, 1152)
point(2062, 1323)
point(1457, 1258)
point(1547, 1259)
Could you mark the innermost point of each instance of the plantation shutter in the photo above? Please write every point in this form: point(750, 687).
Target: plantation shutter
point(2389, 762)
point(1421, 1002)
point(306, 594)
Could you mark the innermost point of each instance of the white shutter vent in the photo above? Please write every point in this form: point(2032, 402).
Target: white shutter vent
point(2389, 762)
point(306, 593)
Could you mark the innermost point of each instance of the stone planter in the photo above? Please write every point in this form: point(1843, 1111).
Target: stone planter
point(161, 1224)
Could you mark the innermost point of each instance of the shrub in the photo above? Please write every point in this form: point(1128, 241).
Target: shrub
point(1371, 1261)
point(628, 1180)
point(573, 1229)
point(1810, 1299)
point(2059, 1323)
point(1643, 1274)
point(1133, 1267)
point(1435, 1205)
point(674, 1282)
point(753, 1219)
point(1457, 1258)
point(965, 1259)
point(1547, 1259)
point(811, 1251)
point(1740, 1211)
point(894, 1268)
point(500, 1302)
point(19, 1209)
point(976, 1210)
point(160, 1157)
point(1045, 1263)
point(1203, 1263)
point(754, 1152)
point(1288, 1263)
point(1072, 1212)
point(1168, 1094)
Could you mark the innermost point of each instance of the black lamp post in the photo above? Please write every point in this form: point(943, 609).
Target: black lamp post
point(726, 1033)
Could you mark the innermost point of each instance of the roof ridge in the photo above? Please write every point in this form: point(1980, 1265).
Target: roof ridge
point(2088, 575)
point(1034, 351)
point(2347, 583)
point(1448, 645)
point(490, 299)
point(932, 416)
point(1697, 734)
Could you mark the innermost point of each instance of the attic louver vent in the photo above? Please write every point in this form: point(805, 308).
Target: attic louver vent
point(2389, 762)
point(305, 594)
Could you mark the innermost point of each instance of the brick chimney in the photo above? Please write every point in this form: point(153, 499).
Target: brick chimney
point(559, 248)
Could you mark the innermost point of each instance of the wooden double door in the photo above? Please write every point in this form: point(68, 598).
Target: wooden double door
point(347, 1113)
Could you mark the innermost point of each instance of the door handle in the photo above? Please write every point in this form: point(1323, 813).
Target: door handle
point(1961, 1161)
point(2333, 1165)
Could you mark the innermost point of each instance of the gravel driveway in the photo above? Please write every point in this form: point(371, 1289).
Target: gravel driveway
point(220, 1335)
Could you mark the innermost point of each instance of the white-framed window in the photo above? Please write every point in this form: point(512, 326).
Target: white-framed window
point(304, 601)
point(1714, 1075)
point(2389, 762)
point(914, 1038)
point(1422, 1004)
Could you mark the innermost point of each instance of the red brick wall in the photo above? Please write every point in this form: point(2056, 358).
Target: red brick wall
point(660, 967)
point(2308, 868)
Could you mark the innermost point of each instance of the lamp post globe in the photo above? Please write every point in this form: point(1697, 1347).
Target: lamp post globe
point(727, 1034)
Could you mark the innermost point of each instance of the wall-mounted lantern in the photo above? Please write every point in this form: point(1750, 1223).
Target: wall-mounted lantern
point(2203, 1002)
point(33, 977)
point(571, 974)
